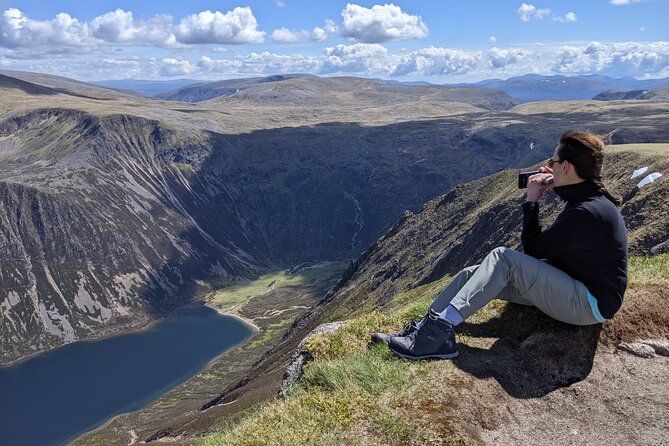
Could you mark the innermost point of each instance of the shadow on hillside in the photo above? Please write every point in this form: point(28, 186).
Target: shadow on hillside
point(533, 354)
point(292, 194)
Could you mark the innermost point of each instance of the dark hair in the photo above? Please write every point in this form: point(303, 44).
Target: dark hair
point(585, 151)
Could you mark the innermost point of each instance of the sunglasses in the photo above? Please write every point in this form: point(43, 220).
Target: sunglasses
point(551, 162)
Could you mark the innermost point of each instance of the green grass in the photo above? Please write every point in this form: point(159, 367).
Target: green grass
point(232, 297)
point(361, 398)
point(269, 332)
point(649, 148)
point(649, 270)
point(353, 394)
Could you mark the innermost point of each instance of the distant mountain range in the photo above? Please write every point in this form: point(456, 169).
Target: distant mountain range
point(152, 88)
point(309, 90)
point(534, 87)
point(526, 88)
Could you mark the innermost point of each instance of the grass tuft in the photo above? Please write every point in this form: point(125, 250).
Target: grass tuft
point(649, 270)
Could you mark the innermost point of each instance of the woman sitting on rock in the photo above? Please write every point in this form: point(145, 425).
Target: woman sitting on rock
point(575, 271)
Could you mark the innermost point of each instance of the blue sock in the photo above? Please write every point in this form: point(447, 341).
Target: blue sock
point(452, 315)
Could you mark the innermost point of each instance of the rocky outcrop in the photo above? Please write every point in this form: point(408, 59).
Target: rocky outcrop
point(646, 348)
point(300, 356)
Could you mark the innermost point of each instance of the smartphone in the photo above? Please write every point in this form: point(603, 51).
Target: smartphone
point(523, 177)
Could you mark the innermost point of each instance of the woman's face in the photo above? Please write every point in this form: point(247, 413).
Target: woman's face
point(558, 169)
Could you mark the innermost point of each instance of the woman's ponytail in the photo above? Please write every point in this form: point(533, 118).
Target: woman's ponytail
point(585, 151)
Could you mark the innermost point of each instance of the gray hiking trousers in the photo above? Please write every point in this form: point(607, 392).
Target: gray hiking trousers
point(517, 277)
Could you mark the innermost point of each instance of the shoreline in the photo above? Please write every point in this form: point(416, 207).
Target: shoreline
point(244, 320)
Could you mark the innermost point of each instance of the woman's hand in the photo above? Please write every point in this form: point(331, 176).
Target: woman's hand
point(536, 186)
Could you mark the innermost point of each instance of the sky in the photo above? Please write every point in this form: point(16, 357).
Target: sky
point(437, 41)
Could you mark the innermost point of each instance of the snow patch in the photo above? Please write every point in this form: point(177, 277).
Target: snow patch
point(638, 172)
point(649, 179)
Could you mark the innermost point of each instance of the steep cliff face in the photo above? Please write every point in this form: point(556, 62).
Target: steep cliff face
point(94, 232)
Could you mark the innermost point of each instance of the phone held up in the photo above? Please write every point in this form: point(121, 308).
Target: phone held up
point(523, 177)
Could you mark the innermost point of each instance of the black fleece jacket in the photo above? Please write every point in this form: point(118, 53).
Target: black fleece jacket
point(588, 241)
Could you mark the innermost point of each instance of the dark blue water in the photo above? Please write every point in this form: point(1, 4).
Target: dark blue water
point(61, 394)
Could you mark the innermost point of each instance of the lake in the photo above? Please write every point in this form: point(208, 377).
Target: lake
point(58, 395)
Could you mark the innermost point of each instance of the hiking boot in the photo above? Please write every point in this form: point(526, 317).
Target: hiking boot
point(409, 328)
point(435, 339)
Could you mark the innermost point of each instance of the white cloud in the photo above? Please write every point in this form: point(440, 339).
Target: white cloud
point(618, 59)
point(434, 61)
point(569, 17)
point(238, 26)
point(176, 67)
point(318, 34)
point(259, 64)
point(65, 33)
point(356, 58)
point(492, 39)
point(330, 29)
point(284, 35)
point(122, 62)
point(528, 12)
point(381, 24)
point(363, 59)
point(280, 3)
point(120, 27)
point(500, 58)
point(17, 31)
point(626, 2)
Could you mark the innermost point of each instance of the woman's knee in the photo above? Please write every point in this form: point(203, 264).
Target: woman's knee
point(502, 252)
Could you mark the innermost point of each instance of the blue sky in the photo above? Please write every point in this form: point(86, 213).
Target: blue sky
point(434, 40)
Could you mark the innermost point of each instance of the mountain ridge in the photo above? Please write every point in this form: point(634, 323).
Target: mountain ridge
point(535, 87)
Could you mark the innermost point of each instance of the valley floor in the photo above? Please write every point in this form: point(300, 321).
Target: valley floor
point(270, 303)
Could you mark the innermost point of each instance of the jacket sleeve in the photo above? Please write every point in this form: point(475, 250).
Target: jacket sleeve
point(574, 230)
